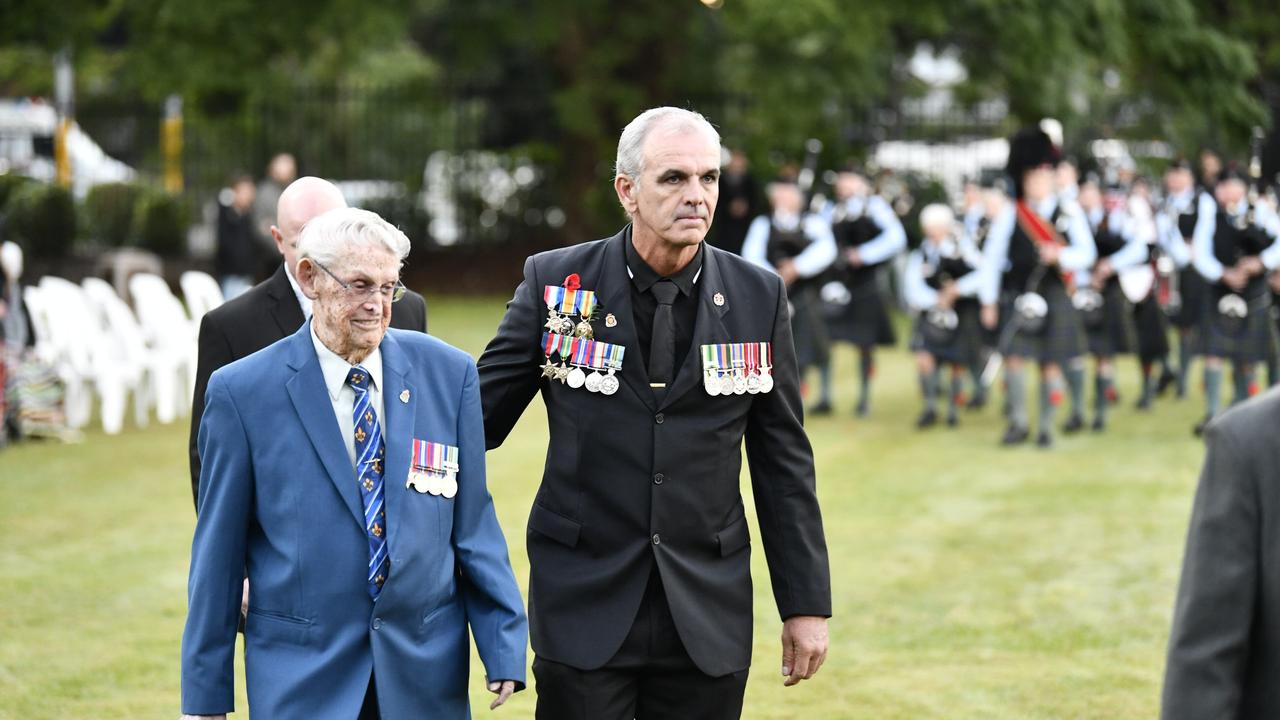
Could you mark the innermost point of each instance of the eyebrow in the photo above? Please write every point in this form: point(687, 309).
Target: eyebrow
point(674, 172)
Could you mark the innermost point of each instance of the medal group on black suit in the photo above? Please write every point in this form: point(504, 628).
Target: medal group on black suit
point(1043, 267)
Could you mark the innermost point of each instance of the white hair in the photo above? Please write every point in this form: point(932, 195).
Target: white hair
point(630, 161)
point(937, 214)
point(325, 238)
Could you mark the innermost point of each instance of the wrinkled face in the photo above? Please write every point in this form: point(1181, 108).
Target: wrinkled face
point(786, 199)
point(678, 187)
point(1037, 183)
point(351, 321)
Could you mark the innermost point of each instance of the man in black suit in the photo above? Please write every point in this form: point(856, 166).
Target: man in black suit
point(640, 577)
point(275, 308)
point(1224, 651)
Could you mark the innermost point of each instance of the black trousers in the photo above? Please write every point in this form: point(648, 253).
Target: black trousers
point(651, 677)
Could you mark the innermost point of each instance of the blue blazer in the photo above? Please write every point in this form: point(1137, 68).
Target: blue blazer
point(278, 497)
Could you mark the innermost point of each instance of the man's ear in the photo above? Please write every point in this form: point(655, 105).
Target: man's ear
point(278, 237)
point(306, 277)
point(626, 188)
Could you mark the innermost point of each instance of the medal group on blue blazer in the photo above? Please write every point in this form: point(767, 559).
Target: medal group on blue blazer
point(1177, 268)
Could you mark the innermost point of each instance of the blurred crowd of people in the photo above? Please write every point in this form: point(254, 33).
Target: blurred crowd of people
point(1047, 267)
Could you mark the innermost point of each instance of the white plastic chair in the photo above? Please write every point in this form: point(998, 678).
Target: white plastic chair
point(73, 334)
point(167, 331)
point(201, 292)
point(147, 375)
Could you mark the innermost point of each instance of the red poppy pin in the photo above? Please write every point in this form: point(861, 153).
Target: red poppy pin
point(573, 282)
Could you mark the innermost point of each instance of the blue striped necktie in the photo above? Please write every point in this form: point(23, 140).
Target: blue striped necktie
point(370, 449)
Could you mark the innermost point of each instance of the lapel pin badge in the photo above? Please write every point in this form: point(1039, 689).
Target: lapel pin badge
point(718, 299)
point(404, 396)
point(610, 320)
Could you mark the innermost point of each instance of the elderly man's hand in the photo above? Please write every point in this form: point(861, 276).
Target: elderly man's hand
point(503, 689)
point(804, 647)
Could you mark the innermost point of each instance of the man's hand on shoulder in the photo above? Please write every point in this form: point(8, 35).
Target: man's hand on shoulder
point(503, 689)
point(804, 647)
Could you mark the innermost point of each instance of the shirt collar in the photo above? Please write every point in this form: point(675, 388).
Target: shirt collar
point(335, 369)
point(644, 277)
point(303, 301)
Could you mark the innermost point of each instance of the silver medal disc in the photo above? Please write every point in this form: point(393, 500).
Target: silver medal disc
point(739, 385)
point(711, 383)
point(576, 378)
point(435, 484)
point(609, 384)
point(753, 383)
point(449, 485)
point(726, 385)
point(593, 381)
point(566, 326)
point(766, 382)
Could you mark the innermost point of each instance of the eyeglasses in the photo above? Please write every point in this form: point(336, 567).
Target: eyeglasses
point(361, 294)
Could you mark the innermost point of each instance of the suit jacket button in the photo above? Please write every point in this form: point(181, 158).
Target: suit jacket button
point(658, 479)
point(657, 539)
point(658, 418)
point(377, 623)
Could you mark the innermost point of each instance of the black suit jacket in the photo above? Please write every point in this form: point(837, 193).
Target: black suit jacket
point(1224, 651)
point(255, 319)
point(631, 480)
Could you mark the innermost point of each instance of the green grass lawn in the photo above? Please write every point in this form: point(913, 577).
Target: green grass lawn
point(970, 581)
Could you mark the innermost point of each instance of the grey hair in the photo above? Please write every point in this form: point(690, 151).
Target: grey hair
point(630, 160)
point(326, 237)
point(937, 214)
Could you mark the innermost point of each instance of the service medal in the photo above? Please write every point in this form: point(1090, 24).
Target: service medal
point(593, 381)
point(583, 329)
point(436, 487)
point(739, 385)
point(576, 378)
point(766, 382)
point(753, 383)
point(449, 485)
point(711, 383)
point(609, 384)
point(726, 385)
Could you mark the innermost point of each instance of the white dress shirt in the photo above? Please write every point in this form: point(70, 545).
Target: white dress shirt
point(335, 371)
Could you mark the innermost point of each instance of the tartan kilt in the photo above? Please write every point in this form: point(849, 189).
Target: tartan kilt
point(966, 344)
point(808, 330)
point(1194, 292)
point(864, 321)
point(1251, 344)
point(1113, 335)
point(1153, 329)
point(1062, 338)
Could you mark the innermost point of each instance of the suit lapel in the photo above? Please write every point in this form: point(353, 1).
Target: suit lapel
point(708, 326)
point(285, 309)
point(315, 411)
point(613, 285)
point(397, 428)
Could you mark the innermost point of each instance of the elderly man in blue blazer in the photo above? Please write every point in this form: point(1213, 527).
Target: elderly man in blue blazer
point(344, 472)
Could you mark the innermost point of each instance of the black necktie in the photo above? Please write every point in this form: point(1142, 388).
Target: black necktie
point(662, 346)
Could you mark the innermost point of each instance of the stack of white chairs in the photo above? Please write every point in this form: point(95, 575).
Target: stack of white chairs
point(201, 292)
point(168, 332)
point(153, 378)
point(72, 344)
